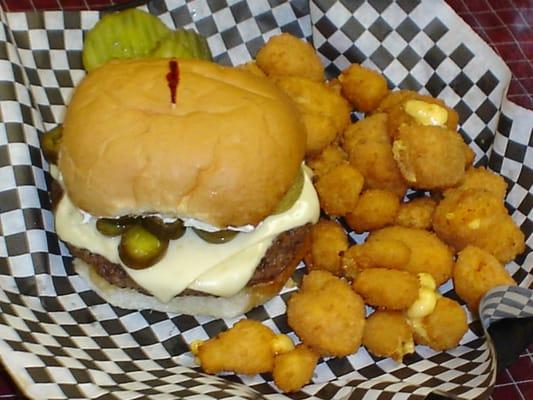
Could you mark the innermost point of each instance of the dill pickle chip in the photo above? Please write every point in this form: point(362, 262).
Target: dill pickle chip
point(113, 226)
point(139, 248)
point(292, 194)
point(166, 230)
point(126, 34)
point(183, 44)
point(50, 143)
point(217, 237)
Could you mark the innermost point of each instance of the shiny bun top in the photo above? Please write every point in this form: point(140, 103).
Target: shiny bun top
point(224, 153)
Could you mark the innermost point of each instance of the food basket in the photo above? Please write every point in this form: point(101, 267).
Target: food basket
point(59, 340)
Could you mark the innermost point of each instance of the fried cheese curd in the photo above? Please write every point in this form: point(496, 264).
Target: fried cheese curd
point(387, 288)
point(388, 334)
point(328, 158)
point(335, 85)
point(482, 178)
point(428, 253)
point(328, 241)
point(444, 328)
point(429, 157)
point(363, 87)
point(476, 272)
point(287, 55)
point(327, 315)
point(416, 213)
point(406, 107)
point(339, 189)
point(294, 369)
point(369, 149)
point(251, 66)
point(394, 98)
point(247, 348)
point(478, 217)
point(470, 156)
point(387, 253)
point(324, 112)
point(375, 209)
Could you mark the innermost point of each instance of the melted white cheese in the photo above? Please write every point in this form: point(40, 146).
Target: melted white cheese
point(426, 113)
point(190, 262)
point(427, 297)
point(423, 305)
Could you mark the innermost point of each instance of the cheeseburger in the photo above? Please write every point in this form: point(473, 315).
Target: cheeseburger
point(180, 186)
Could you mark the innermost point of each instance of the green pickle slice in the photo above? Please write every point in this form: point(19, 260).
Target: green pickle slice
point(292, 194)
point(50, 143)
point(183, 44)
point(217, 237)
point(164, 230)
point(113, 226)
point(139, 248)
point(127, 34)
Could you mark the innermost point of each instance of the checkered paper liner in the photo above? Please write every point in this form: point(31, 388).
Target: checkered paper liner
point(59, 340)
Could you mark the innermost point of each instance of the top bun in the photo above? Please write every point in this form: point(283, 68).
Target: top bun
point(225, 153)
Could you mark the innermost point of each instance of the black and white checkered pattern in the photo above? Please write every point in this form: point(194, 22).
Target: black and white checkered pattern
point(503, 302)
point(59, 340)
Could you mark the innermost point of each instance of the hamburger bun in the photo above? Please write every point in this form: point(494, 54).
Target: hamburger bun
point(225, 150)
point(225, 153)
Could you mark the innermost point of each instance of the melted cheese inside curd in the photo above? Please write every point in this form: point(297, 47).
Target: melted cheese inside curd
point(424, 304)
point(426, 113)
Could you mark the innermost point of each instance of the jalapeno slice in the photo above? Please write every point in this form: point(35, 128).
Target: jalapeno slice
point(217, 237)
point(165, 230)
point(292, 194)
point(113, 226)
point(50, 143)
point(139, 248)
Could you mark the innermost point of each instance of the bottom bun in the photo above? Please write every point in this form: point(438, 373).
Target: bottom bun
point(197, 304)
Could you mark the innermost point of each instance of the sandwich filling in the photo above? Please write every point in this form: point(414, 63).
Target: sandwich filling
point(190, 262)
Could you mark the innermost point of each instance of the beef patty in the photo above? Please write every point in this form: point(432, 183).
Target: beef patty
point(278, 257)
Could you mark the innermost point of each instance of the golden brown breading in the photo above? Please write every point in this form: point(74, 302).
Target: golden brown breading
point(387, 334)
point(330, 157)
point(478, 217)
point(316, 280)
point(328, 241)
point(411, 108)
point(470, 156)
point(251, 66)
point(428, 253)
point(476, 272)
point(339, 189)
point(294, 369)
point(375, 209)
point(287, 55)
point(363, 87)
point(244, 349)
point(325, 113)
point(335, 85)
point(393, 98)
point(327, 315)
point(417, 213)
point(482, 178)
point(444, 328)
point(387, 288)
point(386, 253)
point(429, 157)
point(369, 149)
